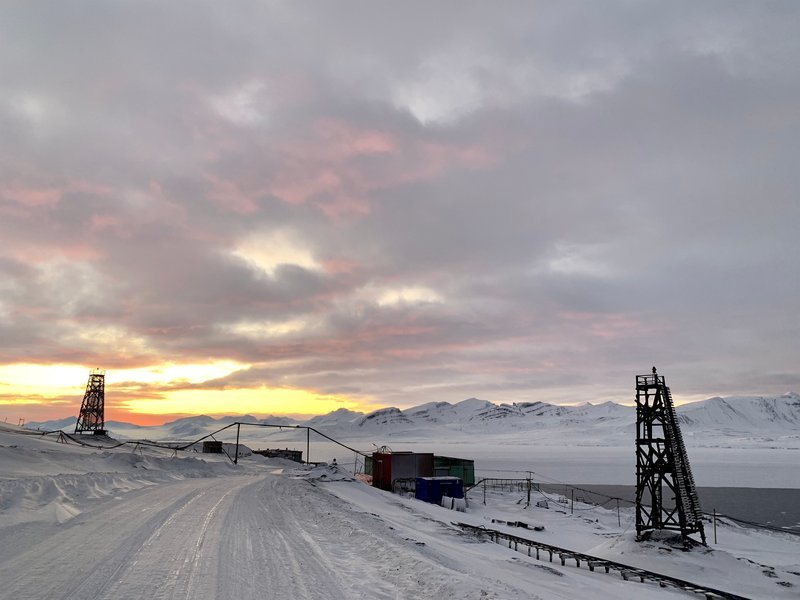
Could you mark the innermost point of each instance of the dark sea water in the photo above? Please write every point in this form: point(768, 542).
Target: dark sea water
point(778, 507)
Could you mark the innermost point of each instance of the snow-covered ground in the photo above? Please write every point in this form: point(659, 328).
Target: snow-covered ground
point(149, 523)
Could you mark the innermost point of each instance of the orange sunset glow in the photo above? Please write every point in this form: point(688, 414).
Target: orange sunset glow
point(149, 396)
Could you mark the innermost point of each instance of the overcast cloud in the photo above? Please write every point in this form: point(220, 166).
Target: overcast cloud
point(406, 202)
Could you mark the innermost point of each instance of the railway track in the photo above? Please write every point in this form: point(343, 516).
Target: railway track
point(542, 551)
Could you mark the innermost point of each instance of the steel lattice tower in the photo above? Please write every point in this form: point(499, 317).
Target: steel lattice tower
point(91, 418)
point(666, 497)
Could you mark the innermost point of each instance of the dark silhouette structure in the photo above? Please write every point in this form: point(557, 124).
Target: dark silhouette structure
point(295, 455)
point(666, 497)
point(92, 418)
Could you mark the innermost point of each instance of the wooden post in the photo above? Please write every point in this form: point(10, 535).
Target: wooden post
point(529, 489)
point(308, 446)
point(236, 457)
point(572, 507)
point(715, 525)
point(619, 522)
point(484, 491)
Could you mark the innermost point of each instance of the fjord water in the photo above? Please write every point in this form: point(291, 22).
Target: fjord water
point(778, 507)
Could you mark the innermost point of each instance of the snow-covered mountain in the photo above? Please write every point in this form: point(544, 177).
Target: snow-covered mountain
point(191, 426)
point(67, 424)
point(386, 418)
point(733, 415)
point(741, 417)
point(743, 413)
point(474, 415)
point(334, 420)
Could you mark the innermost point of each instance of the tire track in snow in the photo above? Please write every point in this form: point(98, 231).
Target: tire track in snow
point(233, 537)
point(261, 555)
point(87, 556)
point(172, 564)
point(288, 539)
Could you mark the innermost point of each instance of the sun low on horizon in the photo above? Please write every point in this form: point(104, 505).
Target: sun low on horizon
point(153, 395)
point(157, 394)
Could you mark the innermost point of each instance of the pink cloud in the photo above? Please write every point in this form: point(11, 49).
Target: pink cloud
point(233, 195)
point(341, 139)
point(327, 168)
point(100, 222)
point(338, 266)
point(343, 206)
point(37, 252)
point(295, 190)
point(79, 251)
point(48, 196)
point(608, 326)
point(33, 197)
point(336, 165)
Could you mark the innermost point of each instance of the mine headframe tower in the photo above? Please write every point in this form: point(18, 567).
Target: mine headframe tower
point(92, 418)
point(666, 497)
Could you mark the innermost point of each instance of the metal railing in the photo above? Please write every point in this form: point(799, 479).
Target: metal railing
point(627, 572)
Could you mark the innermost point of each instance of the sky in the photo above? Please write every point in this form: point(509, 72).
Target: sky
point(289, 208)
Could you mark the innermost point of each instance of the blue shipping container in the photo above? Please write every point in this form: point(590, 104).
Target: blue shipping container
point(431, 489)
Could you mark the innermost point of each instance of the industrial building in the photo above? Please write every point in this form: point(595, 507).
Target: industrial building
point(295, 455)
point(389, 467)
point(212, 447)
point(464, 469)
point(399, 471)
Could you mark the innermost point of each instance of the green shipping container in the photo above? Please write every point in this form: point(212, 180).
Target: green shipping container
point(462, 468)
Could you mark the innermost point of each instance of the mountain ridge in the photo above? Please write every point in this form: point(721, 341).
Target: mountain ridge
point(732, 415)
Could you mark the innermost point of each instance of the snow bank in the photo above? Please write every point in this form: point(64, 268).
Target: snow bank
point(43, 480)
point(327, 473)
point(755, 563)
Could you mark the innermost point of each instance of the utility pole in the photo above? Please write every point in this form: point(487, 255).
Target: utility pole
point(529, 489)
point(236, 458)
point(715, 526)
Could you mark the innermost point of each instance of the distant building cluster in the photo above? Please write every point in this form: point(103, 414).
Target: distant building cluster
point(295, 455)
point(428, 477)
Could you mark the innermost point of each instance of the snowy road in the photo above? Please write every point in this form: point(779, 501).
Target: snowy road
point(158, 543)
point(119, 524)
point(224, 537)
point(257, 533)
point(288, 539)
